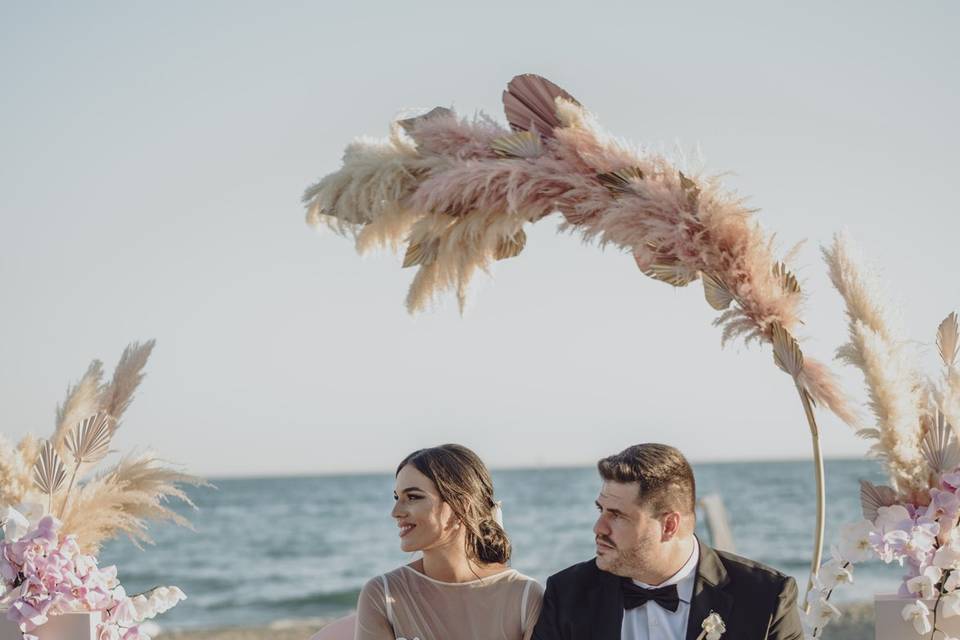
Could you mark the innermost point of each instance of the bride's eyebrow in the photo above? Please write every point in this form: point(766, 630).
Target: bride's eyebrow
point(409, 489)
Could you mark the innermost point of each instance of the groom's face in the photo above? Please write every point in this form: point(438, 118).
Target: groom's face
point(627, 536)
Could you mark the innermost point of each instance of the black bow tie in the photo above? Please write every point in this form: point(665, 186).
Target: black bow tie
point(634, 596)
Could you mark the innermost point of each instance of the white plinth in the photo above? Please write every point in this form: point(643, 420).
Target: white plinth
point(66, 626)
point(890, 624)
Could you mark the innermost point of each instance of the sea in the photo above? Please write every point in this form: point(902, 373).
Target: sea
point(268, 550)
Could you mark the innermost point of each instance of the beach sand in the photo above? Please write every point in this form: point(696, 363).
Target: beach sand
point(856, 624)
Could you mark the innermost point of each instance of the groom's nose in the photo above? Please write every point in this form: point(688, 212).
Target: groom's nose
point(600, 527)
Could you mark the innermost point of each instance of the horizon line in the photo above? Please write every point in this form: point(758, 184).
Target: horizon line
point(270, 475)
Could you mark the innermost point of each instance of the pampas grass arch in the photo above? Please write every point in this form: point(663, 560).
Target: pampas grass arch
point(458, 192)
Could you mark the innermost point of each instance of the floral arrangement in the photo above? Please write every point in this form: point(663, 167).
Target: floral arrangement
point(57, 513)
point(458, 192)
point(913, 521)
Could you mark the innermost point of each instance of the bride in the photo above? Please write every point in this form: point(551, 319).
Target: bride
point(462, 587)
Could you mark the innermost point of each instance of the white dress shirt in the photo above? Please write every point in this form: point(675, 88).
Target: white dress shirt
point(650, 621)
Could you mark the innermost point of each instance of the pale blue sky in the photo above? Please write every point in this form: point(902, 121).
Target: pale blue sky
point(154, 156)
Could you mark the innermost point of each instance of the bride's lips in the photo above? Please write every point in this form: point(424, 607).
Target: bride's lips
point(406, 528)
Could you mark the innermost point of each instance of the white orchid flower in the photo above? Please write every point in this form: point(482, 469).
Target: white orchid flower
point(924, 585)
point(855, 541)
point(918, 614)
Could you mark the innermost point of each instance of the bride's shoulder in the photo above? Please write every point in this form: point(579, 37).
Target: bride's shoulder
point(381, 583)
point(526, 583)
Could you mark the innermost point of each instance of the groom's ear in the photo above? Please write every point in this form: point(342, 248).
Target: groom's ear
point(670, 525)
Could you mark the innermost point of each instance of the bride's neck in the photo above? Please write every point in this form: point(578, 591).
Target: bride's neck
point(450, 564)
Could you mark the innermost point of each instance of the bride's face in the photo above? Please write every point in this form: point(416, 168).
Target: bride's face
point(425, 521)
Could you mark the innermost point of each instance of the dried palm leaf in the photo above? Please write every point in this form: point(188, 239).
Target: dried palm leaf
point(89, 441)
point(512, 246)
point(674, 273)
point(49, 473)
point(409, 124)
point(622, 180)
point(787, 279)
point(530, 104)
point(420, 253)
point(939, 445)
point(948, 340)
point(872, 497)
point(693, 191)
point(523, 144)
point(717, 295)
point(786, 350)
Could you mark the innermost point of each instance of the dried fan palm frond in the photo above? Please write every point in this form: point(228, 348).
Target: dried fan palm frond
point(127, 376)
point(124, 499)
point(410, 124)
point(89, 441)
point(622, 180)
point(788, 280)
point(786, 351)
point(524, 144)
point(530, 103)
point(872, 497)
point(420, 253)
point(673, 273)
point(49, 473)
point(948, 340)
point(82, 400)
point(939, 446)
point(692, 190)
point(717, 295)
point(511, 247)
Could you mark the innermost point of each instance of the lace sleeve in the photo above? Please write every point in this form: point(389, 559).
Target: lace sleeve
point(373, 620)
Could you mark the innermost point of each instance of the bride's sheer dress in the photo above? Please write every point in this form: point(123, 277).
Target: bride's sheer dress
point(407, 604)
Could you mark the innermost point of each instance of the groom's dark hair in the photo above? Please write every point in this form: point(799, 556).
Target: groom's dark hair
point(664, 475)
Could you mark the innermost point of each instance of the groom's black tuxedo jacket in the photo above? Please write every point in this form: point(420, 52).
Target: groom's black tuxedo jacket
point(755, 602)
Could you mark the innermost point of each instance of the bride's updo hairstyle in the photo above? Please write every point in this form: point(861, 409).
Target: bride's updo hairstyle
point(464, 483)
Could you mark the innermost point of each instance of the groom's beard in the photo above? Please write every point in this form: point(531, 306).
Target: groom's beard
point(627, 562)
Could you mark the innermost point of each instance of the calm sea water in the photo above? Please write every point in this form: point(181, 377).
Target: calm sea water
point(270, 549)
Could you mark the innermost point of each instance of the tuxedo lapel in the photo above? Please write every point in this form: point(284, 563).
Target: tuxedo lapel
point(708, 592)
point(605, 608)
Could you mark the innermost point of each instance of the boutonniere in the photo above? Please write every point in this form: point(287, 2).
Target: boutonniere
point(713, 627)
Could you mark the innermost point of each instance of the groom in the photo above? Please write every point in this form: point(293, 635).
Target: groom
point(652, 579)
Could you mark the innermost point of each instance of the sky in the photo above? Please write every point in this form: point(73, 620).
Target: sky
point(154, 156)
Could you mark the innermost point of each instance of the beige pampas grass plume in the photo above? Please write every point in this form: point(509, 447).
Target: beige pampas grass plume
point(15, 472)
point(122, 500)
point(896, 392)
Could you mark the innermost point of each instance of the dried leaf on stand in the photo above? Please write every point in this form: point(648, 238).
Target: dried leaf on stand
point(622, 180)
point(948, 339)
point(693, 191)
point(717, 295)
point(512, 246)
point(419, 253)
point(939, 445)
point(787, 279)
point(409, 124)
point(786, 350)
point(530, 103)
point(89, 440)
point(49, 473)
point(524, 144)
point(872, 497)
point(674, 273)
